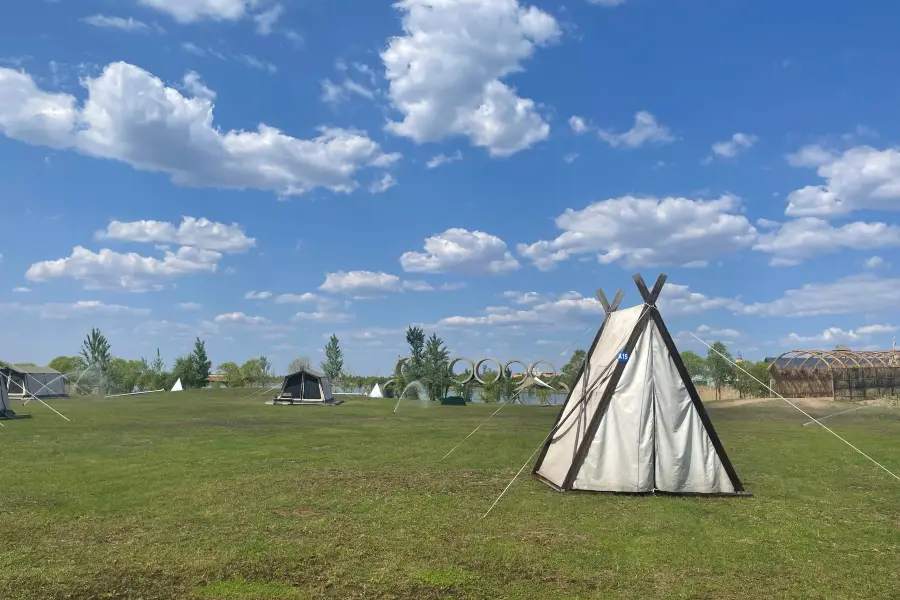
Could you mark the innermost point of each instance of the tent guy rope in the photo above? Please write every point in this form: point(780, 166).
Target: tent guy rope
point(835, 414)
point(38, 399)
point(808, 416)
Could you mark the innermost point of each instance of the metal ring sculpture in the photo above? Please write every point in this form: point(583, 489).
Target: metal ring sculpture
point(462, 379)
point(499, 370)
point(454, 377)
point(525, 370)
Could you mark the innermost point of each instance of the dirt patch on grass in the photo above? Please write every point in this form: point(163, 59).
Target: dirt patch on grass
point(801, 402)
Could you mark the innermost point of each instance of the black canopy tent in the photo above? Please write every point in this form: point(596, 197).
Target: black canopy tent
point(306, 387)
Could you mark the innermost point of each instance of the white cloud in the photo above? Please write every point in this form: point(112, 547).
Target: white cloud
point(131, 116)
point(578, 124)
point(257, 63)
point(21, 290)
point(572, 310)
point(200, 233)
point(322, 317)
point(800, 239)
point(189, 11)
point(707, 330)
point(874, 262)
point(107, 269)
point(291, 298)
point(178, 331)
point(441, 159)
point(254, 295)
point(462, 251)
point(360, 283)
point(383, 184)
point(82, 308)
point(835, 336)
point(335, 93)
point(861, 178)
point(120, 23)
point(737, 143)
point(678, 300)
point(266, 20)
point(189, 306)
point(195, 87)
point(571, 157)
point(647, 232)
point(445, 72)
point(241, 319)
point(857, 294)
point(644, 131)
point(607, 3)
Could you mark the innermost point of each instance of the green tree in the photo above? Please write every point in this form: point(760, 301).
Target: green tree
point(436, 367)
point(67, 364)
point(299, 364)
point(572, 368)
point(183, 369)
point(158, 378)
point(233, 374)
point(252, 373)
point(696, 367)
point(124, 376)
point(415, 338)
point(267, 369)
point(719, 368)
point(333, 365)
point(745, 383)
point(96, 350)
point(201, 365)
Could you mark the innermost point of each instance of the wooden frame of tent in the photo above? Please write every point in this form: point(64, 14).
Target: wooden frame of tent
point(649, 315)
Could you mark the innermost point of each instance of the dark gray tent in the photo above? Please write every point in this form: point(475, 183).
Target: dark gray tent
point(6, 411)
point(306, 387)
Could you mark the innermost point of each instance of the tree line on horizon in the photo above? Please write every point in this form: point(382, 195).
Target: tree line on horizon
point(428, 363)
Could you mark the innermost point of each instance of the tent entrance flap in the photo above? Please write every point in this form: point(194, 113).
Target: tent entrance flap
point(633, 422)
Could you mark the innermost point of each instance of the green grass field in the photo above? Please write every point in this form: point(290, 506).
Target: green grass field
point(205, 495)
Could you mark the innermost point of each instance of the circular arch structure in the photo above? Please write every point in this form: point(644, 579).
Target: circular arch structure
point(840, 373)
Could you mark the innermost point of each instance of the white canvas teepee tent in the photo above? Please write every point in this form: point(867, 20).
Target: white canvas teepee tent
point(376, 392)
point(633, 421)
point(177, 387)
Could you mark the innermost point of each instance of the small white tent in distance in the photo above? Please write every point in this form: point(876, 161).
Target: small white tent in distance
point(633, 421)
point(376, 392)
point(177, 387)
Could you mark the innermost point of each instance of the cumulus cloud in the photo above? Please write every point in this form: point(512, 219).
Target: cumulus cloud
point(578, 124)
point(129, 24)
point(82, 308)
point(644, 131)
point(441, 159)
point(862, 178)
point(241, 319)
point(461, 251)
point(265, 21)
point(369, 284)
point(194, 86)
point(199, 233)
point(335, 93)
point(254, 295)
point(21, 290)
point(640, 232)
point(383, 184)
point(291, 298)
point(803, 238)
point(571, 310)
point(189, 306)
point(322, 317)
point(133, 272)
point(446, 71)
point(874, 262)
point(732, 147)
point(835, 336)
point(857, 294)
point(132, 116)
point(189, 11)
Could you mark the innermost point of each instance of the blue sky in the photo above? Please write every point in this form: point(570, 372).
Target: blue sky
point(264, 173)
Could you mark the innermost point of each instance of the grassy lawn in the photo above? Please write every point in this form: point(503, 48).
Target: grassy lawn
point(203, 495)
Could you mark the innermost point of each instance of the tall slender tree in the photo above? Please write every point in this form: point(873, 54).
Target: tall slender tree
point(200, 365)
point(333, 365)
point(436, 367)
point(96, 350)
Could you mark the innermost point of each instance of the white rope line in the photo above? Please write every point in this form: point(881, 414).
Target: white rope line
point(605, 374)
point(808, 416)
point(836, 414)
point(60, 376)
point(36, 398)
